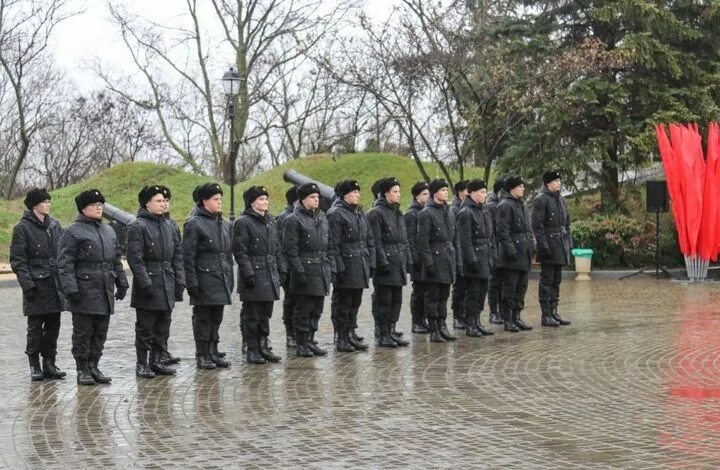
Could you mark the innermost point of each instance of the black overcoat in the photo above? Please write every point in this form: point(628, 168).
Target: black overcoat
point(435, 243)
point(305, 243)
point(392, 253)
point(352, 245)
point(477, 241)
point(551, 226)
point(516, 245)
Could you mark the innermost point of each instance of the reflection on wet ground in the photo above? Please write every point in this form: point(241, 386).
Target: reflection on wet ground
point(633, 382)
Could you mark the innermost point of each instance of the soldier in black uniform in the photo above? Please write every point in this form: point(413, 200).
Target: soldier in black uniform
point(207, 256)
point(154, 254)
point(458, 289)
point(305, 246)
point(392, 254)
point(167, 358)
point(33, 255)
point(353, 248)
point(288, 302)
point(516, 248)
point(256, 246)
point(90, 271)
point(477, 248)
point(435, 245)
point(494, 288)
point(551, 226)
point(420, 195)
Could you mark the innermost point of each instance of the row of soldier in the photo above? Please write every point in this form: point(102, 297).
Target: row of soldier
point(481, 246)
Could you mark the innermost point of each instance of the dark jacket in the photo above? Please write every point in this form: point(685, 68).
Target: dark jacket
point(33, 257)
point(207, 257)
point(455, 206)
point(289, 209)
point(411, 228)
point(392, 253)
point(305, 243)
point(516, 245)
point(551, 226)
point(257, 250)
point(477, 241)
point(154, 254)
point(435, 243)
point(491, 205)
point(351, 244)
point(89, 262)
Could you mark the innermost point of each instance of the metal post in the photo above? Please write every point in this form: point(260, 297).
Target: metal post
point(233, 155)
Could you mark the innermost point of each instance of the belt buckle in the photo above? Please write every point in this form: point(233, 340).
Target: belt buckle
point(51, 261)
point(105, 266)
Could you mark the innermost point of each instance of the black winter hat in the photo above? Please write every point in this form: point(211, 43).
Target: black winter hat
point(418, 187)
point(386, 184)
point(436, 185)
point(252, 193)
point(499, 184)
point(346, 186)
point(304, 190)
point(206, 191)
point(90, 196)
point(375, 188)
point(35, 196)
point(460, 186)
point(148, 192)
point(195, 194)
point(512, 182)
point(551, 176)
point(476, 184)
point(291, 195)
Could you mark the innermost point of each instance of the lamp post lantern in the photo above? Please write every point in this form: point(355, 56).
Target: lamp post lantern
point(231, 85)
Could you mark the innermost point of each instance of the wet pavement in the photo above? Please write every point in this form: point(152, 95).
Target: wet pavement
point(634, 382)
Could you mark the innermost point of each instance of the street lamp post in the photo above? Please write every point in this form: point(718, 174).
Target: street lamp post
point(231, 85)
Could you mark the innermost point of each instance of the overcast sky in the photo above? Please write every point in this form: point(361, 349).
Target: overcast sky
point(92, 34)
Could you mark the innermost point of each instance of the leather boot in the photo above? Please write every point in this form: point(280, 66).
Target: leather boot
point(213, 353)
point(522, 326)
point(97, 374)
point(396, 336)
point(157, 366)
point(202, 356)
point(385, 340)
point(546, 318)
point(36, 373)
point(495, 317)
point(266, 352)
point(510, 326)
point(458, 322)
point(168, 359)
point(395, 332)
point(290, 338)
point(50, 370)
point(356, 343)
point(444, 330)
point(141, 366)
point(313, 346)
point(481, 328)
point(253, 355)
point(418, 327)
point(377, 330)
point(342, 342)
point(556, 315)
point(471, 327)
point(355, 337)
point(302, 339)
point(83, 373)
point(435, 335)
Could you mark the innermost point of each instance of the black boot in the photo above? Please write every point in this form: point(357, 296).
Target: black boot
point(355, 337)
point(97, 374)
point(385, 340)
point(266, 352)
point(36, 373)
point(214, 357)
point(253, 355)
point(302, 339)
point(444, 330)
point(202, 356)
point(168, 359)
point(141, 366)
point(83, 373)
point(510, 326)
point(289, 338)
point(50, 370)
point(418, 327)
point(471, 327)
point(458, 322)
point(546, 318)
point(495, 317)
point(522, 326)
point(556, 315)
point(157, 366)
point(342, 341)
point(396, 336)
point(313, 346)
point(435, 335)
point(481, 328)
point(377, 330)
point(357, 343)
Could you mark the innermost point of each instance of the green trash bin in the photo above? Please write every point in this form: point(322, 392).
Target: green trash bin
point(583, 263)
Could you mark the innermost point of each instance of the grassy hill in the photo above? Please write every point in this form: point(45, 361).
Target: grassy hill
point(121, 184)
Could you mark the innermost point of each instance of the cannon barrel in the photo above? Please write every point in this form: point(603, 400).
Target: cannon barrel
point(118, 215)
point(327, 194)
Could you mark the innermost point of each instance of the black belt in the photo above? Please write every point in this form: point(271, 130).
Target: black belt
point(212, 256)
point(262, 259)
point(45, 262)
point(158, 264)
point(105, 266)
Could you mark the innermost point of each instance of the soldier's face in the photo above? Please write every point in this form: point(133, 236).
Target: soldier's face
point(312, 202)
point(214, 204)
point(93, 211)
point(518, 191)
point(156, 205)
point(462, 194)
point(260, 205)
point(43, 208)
point(167, 205)
point(352, 198)
point(422, 197)
point(393, 196)
point(441, 195)
point(554, 185)
point(479, 196)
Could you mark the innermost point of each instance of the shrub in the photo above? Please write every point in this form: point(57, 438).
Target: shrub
point(616, 240)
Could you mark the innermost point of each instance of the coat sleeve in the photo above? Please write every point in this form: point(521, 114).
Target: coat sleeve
point(281, 261)
point(411, 229)
point(422, 241)
point(336, 222)
point(464, 234)
point(537, 220)
point(290, 243)
point(371, 245)
point(135, 252)
point(67, 254)
point(504, 219)
point(241, 241)
point(177, 259)
point(406, 245)
point(189, 250)
point(121, 281)
point(18, 258)
point(567, 221)
point(380, 255)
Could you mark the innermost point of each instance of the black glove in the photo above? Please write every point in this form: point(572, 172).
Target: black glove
point(544, 250)
point(75, 297)
point(147, 292)
point(430, 269)
point(30, 293)
point(120, 293)
point(194, 291)
point(301, 279)
point(249, 281)
point(179, 293)
point(383, 269)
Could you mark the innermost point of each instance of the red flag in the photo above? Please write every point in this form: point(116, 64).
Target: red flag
point(693, 174)
point(673, 178)
point(708, 245)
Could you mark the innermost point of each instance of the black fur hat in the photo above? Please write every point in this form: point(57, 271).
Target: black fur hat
point(476, 184)
point(90, 196)
point(551, 176)
point(206, 191)
point(436, 185)
point(252, 193)
point(512, 182)
point(35, 196)
point(346, 186)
